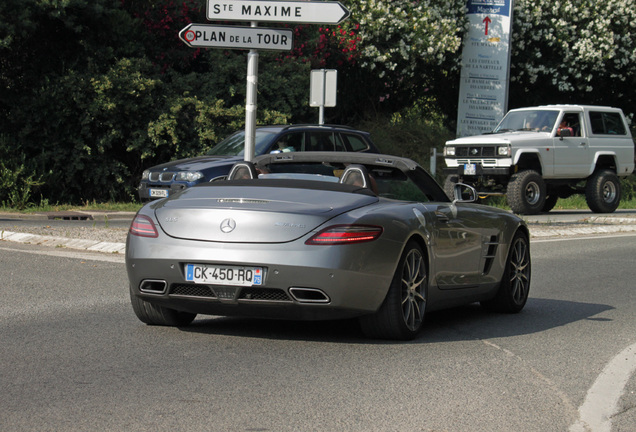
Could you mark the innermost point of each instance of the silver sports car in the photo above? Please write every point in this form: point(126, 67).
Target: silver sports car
point(324, 236)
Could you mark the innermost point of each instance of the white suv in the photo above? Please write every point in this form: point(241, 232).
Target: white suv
point(539, 154)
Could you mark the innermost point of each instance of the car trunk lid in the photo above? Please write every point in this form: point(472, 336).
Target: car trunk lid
point(240, 214)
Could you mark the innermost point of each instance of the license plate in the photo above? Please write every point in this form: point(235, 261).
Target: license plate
point(470, 169)
point(161, 193)
point(224, 275)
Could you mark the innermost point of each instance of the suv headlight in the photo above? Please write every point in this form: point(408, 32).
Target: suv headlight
point(449, 151)
point(145, 175)
point(188, 176)
point(503, 151)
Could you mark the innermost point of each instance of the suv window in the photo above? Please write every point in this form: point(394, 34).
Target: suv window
point(607, 123)
point(290, 142)
point(320, 141)
point(353, 142)
point(573, 122)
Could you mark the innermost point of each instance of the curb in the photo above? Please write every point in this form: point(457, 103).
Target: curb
point(88, 245)
point(70, 215)
point(536, 232)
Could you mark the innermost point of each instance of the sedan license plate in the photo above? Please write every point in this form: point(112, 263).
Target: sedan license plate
point(161, 193)
point(470, 169)
point(224, 275)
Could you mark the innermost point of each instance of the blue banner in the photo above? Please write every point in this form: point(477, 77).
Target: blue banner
point(489, 7)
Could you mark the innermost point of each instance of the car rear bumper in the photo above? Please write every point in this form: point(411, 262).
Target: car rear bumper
point(322, 285)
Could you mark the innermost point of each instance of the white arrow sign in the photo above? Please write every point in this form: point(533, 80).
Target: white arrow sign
point(308, 12)
point(233, 37)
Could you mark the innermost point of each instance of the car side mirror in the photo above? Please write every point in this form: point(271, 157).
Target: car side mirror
point(565, 132)
point(464, 193)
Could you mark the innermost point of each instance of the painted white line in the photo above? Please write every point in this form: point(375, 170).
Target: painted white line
point(573, 238)
point(601, 402)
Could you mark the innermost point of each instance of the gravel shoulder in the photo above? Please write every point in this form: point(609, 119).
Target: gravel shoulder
point(112, 238)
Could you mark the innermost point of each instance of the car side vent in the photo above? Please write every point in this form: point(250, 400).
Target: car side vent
point(490, 253)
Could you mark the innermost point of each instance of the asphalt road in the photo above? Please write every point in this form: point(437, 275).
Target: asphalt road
point(74, 357)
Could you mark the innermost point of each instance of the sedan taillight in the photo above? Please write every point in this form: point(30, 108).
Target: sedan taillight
point(345, 234)
point(143, 226)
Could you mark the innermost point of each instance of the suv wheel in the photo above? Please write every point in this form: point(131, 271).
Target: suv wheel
point(603, 191)
point(526, 192)
point(550, 202)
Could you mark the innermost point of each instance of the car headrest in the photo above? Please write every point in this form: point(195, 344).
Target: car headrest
point(243, 171)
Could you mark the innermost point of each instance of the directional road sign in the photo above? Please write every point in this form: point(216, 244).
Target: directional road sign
point(308, 12)
point(234, 37)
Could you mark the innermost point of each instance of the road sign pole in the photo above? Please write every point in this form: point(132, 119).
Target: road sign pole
point(250, 103)
point(322, 92)
point(321, 112)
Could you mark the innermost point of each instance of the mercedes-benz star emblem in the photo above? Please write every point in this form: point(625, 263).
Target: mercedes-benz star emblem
point(228, 225)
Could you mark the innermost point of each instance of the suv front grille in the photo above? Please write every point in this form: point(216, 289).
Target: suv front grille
point(475, 151)
point(161, 176)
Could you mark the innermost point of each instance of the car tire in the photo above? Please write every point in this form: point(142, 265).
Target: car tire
point(550, 202)
point(152, 314)
point(449, 186)
point(526, 193)
point(514, 288)
point(401, 315)
point(603, 192)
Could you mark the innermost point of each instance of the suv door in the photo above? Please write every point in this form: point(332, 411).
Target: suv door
point(571, 153)
point(351, 142)
point(289, 142)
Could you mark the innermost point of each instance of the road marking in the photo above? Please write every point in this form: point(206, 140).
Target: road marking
point(601, 402)
point(572, 238)
point(570, 408)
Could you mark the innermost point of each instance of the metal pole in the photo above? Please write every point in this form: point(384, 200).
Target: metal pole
point(250, 102)
point(321, 112)
point(433, 161)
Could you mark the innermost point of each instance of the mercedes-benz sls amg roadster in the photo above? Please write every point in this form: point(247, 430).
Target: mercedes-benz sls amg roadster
point(314, 236)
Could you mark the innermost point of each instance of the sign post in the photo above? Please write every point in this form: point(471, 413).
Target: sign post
point(483, 89)
point(323, 90)
point(250, 104)
point(254, 38)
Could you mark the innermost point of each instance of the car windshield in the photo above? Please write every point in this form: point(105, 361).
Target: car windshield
point(389, 182)
point(528, 120)
point(234, 145)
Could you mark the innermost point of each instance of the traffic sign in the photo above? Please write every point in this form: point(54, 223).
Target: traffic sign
point(305, 12)
point(234, 37)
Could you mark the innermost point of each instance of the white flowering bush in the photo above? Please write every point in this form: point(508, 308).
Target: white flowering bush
point(401, 36)
point(580, 50)
point(562, 50)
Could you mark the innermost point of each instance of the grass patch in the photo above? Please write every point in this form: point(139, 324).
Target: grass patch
point(575, 202)
point(87, 206)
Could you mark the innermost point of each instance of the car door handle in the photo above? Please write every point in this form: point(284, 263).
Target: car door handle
point(442, 217)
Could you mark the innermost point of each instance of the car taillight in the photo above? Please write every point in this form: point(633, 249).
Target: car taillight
point(345, 234)
point(143, 226)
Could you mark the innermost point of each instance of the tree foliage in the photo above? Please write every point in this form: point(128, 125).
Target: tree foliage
point(580, 51)
point(94, 91)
